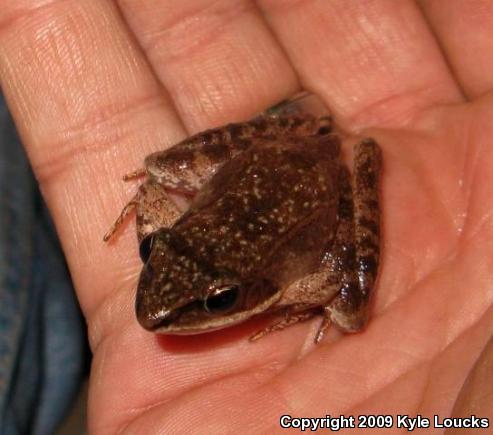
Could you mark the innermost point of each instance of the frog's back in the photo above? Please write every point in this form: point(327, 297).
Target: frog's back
point(270, 206)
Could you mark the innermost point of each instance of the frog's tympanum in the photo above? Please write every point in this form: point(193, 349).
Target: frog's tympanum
point(276, 224)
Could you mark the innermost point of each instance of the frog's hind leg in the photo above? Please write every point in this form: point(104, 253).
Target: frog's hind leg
point(359, 251)
point(367, 163)
point(190, 163)
point(334, 286)
point(341, 279)
point(343, 283)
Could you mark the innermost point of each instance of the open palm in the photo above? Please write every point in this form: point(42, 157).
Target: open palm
point(94, 86)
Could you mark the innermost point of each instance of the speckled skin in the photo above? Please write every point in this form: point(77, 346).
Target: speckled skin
point(274, 215)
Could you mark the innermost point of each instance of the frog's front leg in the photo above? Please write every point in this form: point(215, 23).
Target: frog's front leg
point(182, 169)
point(154, 209)
point(289, 316)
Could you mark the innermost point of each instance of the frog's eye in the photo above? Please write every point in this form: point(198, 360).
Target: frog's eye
point(145, 247)
point(222, 300)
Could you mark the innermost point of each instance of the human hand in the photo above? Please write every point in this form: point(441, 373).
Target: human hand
point(95, 86)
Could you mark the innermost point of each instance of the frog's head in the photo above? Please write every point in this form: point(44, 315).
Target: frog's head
point(179, 293)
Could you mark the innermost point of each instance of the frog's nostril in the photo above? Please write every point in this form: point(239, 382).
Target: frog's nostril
point(163, 321)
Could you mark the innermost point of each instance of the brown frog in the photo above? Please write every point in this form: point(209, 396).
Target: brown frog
point(276, 224)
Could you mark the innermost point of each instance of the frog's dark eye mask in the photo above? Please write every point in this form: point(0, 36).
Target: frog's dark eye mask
point(225, 307)
point(218, 304)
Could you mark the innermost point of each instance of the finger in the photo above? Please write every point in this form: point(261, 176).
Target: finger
point(375, 62)
point(218, 60)
point(83, 97)
point(465, 31)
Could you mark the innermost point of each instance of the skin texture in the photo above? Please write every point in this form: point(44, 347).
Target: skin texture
point(275, 216)
point(94, 86)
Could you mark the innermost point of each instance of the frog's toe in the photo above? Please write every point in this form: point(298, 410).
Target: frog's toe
point(288, 320)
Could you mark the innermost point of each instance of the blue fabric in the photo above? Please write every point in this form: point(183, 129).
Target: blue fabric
point(43, 350)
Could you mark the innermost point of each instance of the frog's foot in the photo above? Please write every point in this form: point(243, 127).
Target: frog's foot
point(138, 173)
point(343, 321)
point(129, 208)
point(289, 319)
point(322, 329)
point(300, 104)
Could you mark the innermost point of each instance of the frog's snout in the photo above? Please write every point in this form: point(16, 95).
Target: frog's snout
point(154, 321)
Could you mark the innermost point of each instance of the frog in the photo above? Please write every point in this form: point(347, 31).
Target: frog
point(274, 223)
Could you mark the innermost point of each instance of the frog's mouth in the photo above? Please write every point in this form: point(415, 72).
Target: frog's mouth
point(202, 316)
